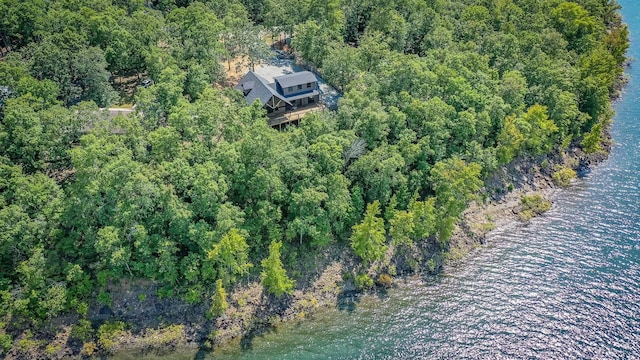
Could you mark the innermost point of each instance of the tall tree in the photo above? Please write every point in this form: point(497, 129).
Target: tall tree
point(218, 300)
point(368, 237)
point(455, 183)
point(274, 276)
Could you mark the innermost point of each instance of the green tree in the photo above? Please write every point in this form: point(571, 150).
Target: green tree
point(196, 81)
point(402, 228)
point(379, 173)
point(341, 65)
point(274, 277)
point(575, 23)
point(539, 129)
point(30, 212)
point(159, 100)
point(39, 138)
point(368, 237)
point(392, 25)
point(196, 32)
point(231, 255)
point(424, 217)
point(312, 42)
point(114, 255)
point(81, 72)
point(455, 183)
point(218, 301)
point(309, 216)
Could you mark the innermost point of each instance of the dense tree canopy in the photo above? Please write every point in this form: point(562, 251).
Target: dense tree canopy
point(194, 187)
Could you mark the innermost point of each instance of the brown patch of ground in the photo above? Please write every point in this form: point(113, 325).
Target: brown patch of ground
point(236, 68)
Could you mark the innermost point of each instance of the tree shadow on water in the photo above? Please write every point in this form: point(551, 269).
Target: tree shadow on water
point(382, 293)
point(201, 354)
point(246, 343)
point(348, 300)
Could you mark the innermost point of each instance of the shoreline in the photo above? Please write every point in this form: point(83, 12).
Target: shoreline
point(261, 314)
point(164, 326)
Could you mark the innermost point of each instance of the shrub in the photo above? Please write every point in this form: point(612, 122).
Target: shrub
point(27, 342)
point(455, 254)
point(52, 349)
point(193, 295)
point(104, 298)
point(363, 281)
point(108, 332)
point(82, 308)
point(171, 335)
point(545, 164)
point(431, 265)
point(486, 226)
point(413, 264)
point(6, 342)
point(385, 280)
point(393, 271)
point(82, 330)
point(563, 176)
point(89, 348)
point(533, 205)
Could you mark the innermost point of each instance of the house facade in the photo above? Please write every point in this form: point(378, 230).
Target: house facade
point(287, 92)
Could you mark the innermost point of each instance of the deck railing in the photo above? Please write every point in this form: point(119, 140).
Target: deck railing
point(294, 116)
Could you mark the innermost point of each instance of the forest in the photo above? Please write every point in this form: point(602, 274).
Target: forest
point(196, 193)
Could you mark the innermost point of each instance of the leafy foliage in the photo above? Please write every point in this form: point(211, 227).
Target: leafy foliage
point(218, 300)
point(533, 205)
point(368, 237)
point(274, 276)
point(194, 187)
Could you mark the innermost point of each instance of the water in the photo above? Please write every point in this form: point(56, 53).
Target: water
point(566, 286)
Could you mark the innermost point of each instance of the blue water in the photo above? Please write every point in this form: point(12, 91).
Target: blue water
point(566, 286)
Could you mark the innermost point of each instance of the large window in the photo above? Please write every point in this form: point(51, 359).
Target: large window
point(308, 85)
point(299, 87)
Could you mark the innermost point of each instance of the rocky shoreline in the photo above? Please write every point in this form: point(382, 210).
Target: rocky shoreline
point(159, 326)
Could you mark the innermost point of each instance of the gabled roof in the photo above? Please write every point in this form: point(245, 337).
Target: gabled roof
point(258, 88)
point(295, 79)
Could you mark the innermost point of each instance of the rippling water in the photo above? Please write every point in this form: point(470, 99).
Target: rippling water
point(565, 286)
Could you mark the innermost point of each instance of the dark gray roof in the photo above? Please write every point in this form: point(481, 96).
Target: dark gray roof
point(247, 86)
point(259, 88)
point(298, 78)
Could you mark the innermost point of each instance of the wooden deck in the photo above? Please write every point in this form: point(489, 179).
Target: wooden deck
point(294, 116)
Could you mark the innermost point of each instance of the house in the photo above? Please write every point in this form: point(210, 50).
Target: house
point(287, 92)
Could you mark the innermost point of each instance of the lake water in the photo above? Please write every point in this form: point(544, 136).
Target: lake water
point(565, 286)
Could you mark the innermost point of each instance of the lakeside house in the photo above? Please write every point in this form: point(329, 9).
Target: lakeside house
point(288, 92)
